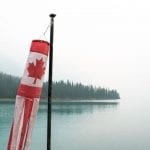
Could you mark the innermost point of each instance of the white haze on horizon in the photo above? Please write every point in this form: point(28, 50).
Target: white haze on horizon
point(104, 43)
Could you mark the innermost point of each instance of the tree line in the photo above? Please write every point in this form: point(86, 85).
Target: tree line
point(60, 89)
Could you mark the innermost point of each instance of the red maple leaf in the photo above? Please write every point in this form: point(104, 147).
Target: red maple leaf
point(36, 71)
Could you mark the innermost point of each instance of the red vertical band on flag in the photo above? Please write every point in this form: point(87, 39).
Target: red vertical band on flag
point(26, 119)
point(10, 137)
point(40, 46)
point(28, 96)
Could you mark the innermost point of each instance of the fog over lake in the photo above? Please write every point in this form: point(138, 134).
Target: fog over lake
point(122, 125)
point(103, 43)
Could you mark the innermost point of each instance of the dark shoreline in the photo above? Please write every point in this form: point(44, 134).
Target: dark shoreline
point(69, 102)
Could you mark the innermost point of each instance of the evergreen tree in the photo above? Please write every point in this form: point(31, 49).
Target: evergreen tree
point(60, 89)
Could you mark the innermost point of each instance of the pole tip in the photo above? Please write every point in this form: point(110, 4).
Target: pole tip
point(52, 15)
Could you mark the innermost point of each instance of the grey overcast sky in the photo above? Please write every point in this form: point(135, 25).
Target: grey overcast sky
point(99, 42)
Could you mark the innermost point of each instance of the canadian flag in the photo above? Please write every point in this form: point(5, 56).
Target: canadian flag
point(28, 96)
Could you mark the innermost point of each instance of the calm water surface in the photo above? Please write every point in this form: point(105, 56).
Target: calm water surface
point(92, 126)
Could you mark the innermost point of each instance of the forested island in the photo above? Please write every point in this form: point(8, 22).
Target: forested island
point(60, 90)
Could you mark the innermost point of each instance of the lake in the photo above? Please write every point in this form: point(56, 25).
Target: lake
point(105, 125)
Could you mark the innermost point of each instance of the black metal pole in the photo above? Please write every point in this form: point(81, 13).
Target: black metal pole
point(50, 82)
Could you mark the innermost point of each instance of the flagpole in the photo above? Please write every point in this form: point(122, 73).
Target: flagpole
point(50, 82)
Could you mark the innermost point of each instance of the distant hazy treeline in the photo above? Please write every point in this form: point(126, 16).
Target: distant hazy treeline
point(61, 89)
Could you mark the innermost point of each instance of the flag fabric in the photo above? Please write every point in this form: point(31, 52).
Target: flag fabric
point(28, 96)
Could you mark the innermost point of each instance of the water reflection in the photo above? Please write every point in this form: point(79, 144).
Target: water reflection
point(68, 121)
point(6, 114)
point(69, 108)
point(61, 108)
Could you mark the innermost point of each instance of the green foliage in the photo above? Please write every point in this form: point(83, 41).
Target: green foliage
point(60, 89)
point(8, 85)
point(69, 90)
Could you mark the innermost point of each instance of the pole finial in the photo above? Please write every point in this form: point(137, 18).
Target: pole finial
point(52, 15)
